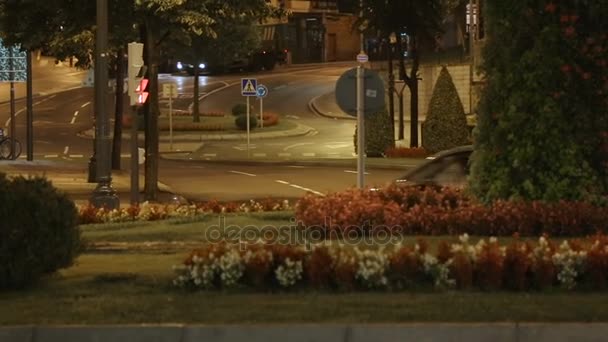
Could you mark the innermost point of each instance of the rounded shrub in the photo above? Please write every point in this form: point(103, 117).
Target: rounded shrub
point(241, 122)
point(38, 231)
point(378, 135)
point(446, 124)
point(240, 109)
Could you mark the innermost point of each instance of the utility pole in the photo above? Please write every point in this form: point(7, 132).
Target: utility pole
point(103, 195)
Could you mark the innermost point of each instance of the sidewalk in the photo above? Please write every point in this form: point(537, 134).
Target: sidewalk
point(72, 178)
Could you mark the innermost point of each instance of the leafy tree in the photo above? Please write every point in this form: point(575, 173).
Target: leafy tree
point(420, 21)
point(543, 120)
point(446, 124)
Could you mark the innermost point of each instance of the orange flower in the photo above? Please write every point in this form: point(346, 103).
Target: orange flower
point(550, 7)
point(569, 31)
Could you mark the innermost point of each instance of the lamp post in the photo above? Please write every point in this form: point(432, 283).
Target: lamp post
point(103, 195)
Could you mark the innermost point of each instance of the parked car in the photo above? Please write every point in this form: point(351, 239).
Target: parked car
point(447, 168)
point(259, 60)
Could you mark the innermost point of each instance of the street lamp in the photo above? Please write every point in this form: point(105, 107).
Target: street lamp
point(103, 195)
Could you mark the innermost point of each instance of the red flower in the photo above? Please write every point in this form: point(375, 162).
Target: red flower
point(550, 7)
point(569, 31)
point(565, 68)
point(573, 18)
point(564, 19)
point(586, 75)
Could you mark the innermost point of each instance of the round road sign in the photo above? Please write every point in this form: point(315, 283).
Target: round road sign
point(261, 91)
point(346, 92)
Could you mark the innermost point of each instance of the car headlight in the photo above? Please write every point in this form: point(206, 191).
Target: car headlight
point(179, 66)
point(202, 66)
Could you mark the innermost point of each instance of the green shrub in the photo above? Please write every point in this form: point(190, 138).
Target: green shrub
point(445, 126)
point(378, 135)
point(241, 109)
point(38, 231)
point(241, 122)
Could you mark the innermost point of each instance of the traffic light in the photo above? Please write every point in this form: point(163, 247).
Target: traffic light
point(136, 74)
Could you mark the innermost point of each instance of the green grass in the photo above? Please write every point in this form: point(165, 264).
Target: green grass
point(135, 288)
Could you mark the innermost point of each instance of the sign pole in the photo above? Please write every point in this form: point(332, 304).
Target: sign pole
point(12, 85)
point(171, 120)
point(248, 128)
point(360, 128)
point(134, 158)
point(30, 109)
point(261, 112)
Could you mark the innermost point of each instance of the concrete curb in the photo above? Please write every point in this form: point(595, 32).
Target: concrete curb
point(298, 131)
point(351, 162)
point(312, 105)
point(419, 332)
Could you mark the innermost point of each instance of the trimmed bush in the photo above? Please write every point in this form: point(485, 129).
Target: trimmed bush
point(445, 126)
point(241, 109)
point(378, 135)
point(38, 231)
point(241, 122)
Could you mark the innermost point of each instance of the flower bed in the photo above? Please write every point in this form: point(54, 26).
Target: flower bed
point(413, 210)
point(152, 212)
point(485, 265)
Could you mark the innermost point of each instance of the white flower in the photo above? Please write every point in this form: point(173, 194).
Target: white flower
point(289, 273)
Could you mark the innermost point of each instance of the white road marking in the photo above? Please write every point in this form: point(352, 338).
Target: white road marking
point(259, 154)
point(76, 156)
point(51, 156)
point(85, 104)
point(280, 87)
point(350, 171)
point(125, 155)
point(296, 166)
point(306, 189)
point(284, 154)
point(66, 149)
point(74, 117)
point(309, 154)
point(282, 182)
point(297, 145)
point(295, 117)
point(209, 154)
point(16, 113)
point(335, 145)
point(242, 173)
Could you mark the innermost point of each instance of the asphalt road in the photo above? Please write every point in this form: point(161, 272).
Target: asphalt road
point(60, 117)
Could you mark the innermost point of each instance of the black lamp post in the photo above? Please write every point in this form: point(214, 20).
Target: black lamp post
point(103, 195)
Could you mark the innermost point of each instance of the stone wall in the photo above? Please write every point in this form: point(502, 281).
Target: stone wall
point(347, 43)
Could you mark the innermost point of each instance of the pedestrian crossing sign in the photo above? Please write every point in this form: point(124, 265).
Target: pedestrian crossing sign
point(249, 86)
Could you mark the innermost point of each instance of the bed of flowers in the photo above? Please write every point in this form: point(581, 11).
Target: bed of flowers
point(433, 211)
point(459, 264)
point(89, 214)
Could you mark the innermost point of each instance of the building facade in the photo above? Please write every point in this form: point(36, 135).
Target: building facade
point(314, 31)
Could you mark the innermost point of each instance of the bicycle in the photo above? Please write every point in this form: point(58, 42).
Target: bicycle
point(5, 147)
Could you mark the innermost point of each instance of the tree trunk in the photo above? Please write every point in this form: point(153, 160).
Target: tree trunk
point(151, 116)
point(391, 88)
point(413, 85)
point(118, 111)
point(195, 107)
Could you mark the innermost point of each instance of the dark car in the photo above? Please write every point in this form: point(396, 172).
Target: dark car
point(446, 168)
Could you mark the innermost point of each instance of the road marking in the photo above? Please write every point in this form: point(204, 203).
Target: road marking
point(74, 117)
point(85, 104)
point(284, 154)
point(334, 145)
point(16, 113)
point(306, 189)
point(209, 154)
point(308, 154)
point(282, 182)
point(350, 171)
point(297, 145)
point(295, 117)
point(76, 155)
point(296, 166)
point(280, 87)
point(242, 173)
point(51, 156)
point(259, 154)
point(66, 149)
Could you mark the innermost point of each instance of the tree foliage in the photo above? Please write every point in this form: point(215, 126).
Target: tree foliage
point(543, 118)
point(446, 124)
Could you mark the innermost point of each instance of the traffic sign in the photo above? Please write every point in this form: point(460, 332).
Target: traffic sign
point(346, 92)
point(170, 90)
point(262, 91)
point(13, 63)
point(362, 58)
point(249, 86)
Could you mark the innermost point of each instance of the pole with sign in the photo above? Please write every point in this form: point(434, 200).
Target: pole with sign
point(248, 89)
point(262, 91)
point(361, 58)
point(170, 91)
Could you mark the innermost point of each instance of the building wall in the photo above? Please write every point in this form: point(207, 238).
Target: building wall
point(347, 42)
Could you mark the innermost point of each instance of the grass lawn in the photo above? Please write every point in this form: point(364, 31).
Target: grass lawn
point(135, 288)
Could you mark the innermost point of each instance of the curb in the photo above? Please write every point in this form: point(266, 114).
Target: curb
point(300, 130)
point(403, 164)
point(497, 332)
point(312, 105)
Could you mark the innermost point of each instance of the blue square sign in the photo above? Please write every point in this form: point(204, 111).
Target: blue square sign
point(249, 86)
